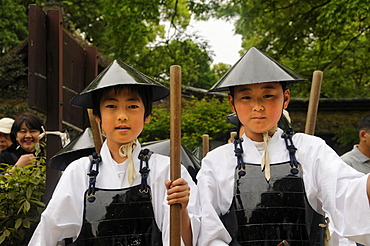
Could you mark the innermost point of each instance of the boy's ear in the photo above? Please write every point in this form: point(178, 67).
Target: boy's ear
point(231, 102)
point(147, 119)
point(97, 119)
point(286, 98)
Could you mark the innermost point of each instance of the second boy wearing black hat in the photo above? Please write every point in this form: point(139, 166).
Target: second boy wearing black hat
point(272, 186)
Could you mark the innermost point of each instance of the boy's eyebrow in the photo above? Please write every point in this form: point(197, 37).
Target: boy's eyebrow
point(244, 89)
point(268, 87)
point(131, 99)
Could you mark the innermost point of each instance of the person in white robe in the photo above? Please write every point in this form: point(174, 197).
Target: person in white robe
point(258, 97)
point(63, 216)
point(121, 99)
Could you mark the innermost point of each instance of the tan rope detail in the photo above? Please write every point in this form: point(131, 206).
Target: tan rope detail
point(126, 151)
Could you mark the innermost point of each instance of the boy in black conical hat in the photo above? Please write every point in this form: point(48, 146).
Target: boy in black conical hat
point(272, 186)
point(121, 197)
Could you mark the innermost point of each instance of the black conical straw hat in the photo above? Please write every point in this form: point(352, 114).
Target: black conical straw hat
point(82, 145)
point(118, 73)
point(253, 68)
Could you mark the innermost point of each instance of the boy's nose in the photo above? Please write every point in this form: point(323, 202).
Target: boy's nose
point(122, 116)
point(258, 107)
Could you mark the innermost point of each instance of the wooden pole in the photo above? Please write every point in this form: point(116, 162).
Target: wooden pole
point(175, 147)
point(96, 131)
point(314, 102)
point(232, 135)
point(205, 142)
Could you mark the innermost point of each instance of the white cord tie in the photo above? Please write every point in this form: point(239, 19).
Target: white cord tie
point(64, 136)
point(126, 151)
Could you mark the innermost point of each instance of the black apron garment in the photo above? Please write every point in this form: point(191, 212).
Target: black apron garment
point(266, 213)
point(120, 217)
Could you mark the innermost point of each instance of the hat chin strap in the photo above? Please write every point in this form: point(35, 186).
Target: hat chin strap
point(126, 151)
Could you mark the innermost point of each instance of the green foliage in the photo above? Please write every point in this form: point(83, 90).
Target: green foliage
point(13, 69)
point(198, 117)
point(331, 36)
point(21, 204)
point(220, 70)
point(192, 57)
point(346, 136)
point(13, 24)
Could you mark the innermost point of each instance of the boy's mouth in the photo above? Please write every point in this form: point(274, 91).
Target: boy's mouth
point(122, 128)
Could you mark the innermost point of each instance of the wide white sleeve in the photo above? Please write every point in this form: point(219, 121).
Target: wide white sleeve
point(336, 189)
point(159, 200)
point(212, 230)
point(62, 217)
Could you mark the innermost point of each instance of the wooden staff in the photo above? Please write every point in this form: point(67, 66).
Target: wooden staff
point(205, 143)
point(175, 147)
point(314, 102)
point(96, 131)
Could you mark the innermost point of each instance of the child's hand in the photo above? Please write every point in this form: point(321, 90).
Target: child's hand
point(178, 191)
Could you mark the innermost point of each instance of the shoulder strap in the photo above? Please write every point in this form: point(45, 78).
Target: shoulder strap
point(144, 157)
point(95, 160)
point(294, 164)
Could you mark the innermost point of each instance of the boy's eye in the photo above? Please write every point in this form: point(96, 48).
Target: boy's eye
point(268, 96)
point(246, 97)
point(133, 106)
point(110, 106)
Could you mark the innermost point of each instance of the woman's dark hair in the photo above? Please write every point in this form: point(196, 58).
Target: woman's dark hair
point(144, 92)
point(31, 120)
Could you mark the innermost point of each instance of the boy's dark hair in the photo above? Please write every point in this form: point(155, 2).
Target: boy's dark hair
point(31, 120)
point(364, 123)
point(145, 93)
point(231, 88)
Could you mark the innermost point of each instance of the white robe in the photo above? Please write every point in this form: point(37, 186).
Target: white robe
point(64, 214)
point(332, 187)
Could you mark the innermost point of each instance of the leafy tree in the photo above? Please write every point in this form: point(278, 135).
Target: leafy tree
point(130, 30)
point(192, 57)
point(331, 36)
point(198, 117)
point(220, 69)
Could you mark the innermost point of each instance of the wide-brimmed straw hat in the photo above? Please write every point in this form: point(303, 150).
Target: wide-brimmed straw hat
point(118, 73)
point(253, 68)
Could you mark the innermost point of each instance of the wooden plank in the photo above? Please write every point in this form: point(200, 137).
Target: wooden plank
point(54, 115)
point(37, 70)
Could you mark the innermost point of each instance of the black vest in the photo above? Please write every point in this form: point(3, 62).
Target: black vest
point(119, 216)
point(266, 213)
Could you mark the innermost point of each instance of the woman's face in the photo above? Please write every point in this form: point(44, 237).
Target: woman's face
point(27, 138)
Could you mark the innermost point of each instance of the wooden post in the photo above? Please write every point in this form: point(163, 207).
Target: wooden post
point(175, 149)
point(91, 73)
point(205, 141)
point(54, 115)
point(314, 102)
point(96, 131)
point(232, 136)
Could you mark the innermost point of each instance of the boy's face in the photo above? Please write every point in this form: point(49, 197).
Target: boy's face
point(259, 107)
point(122, 117)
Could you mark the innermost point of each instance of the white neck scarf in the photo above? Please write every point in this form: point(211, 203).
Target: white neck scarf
point(265, 164)
point(126, 151)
